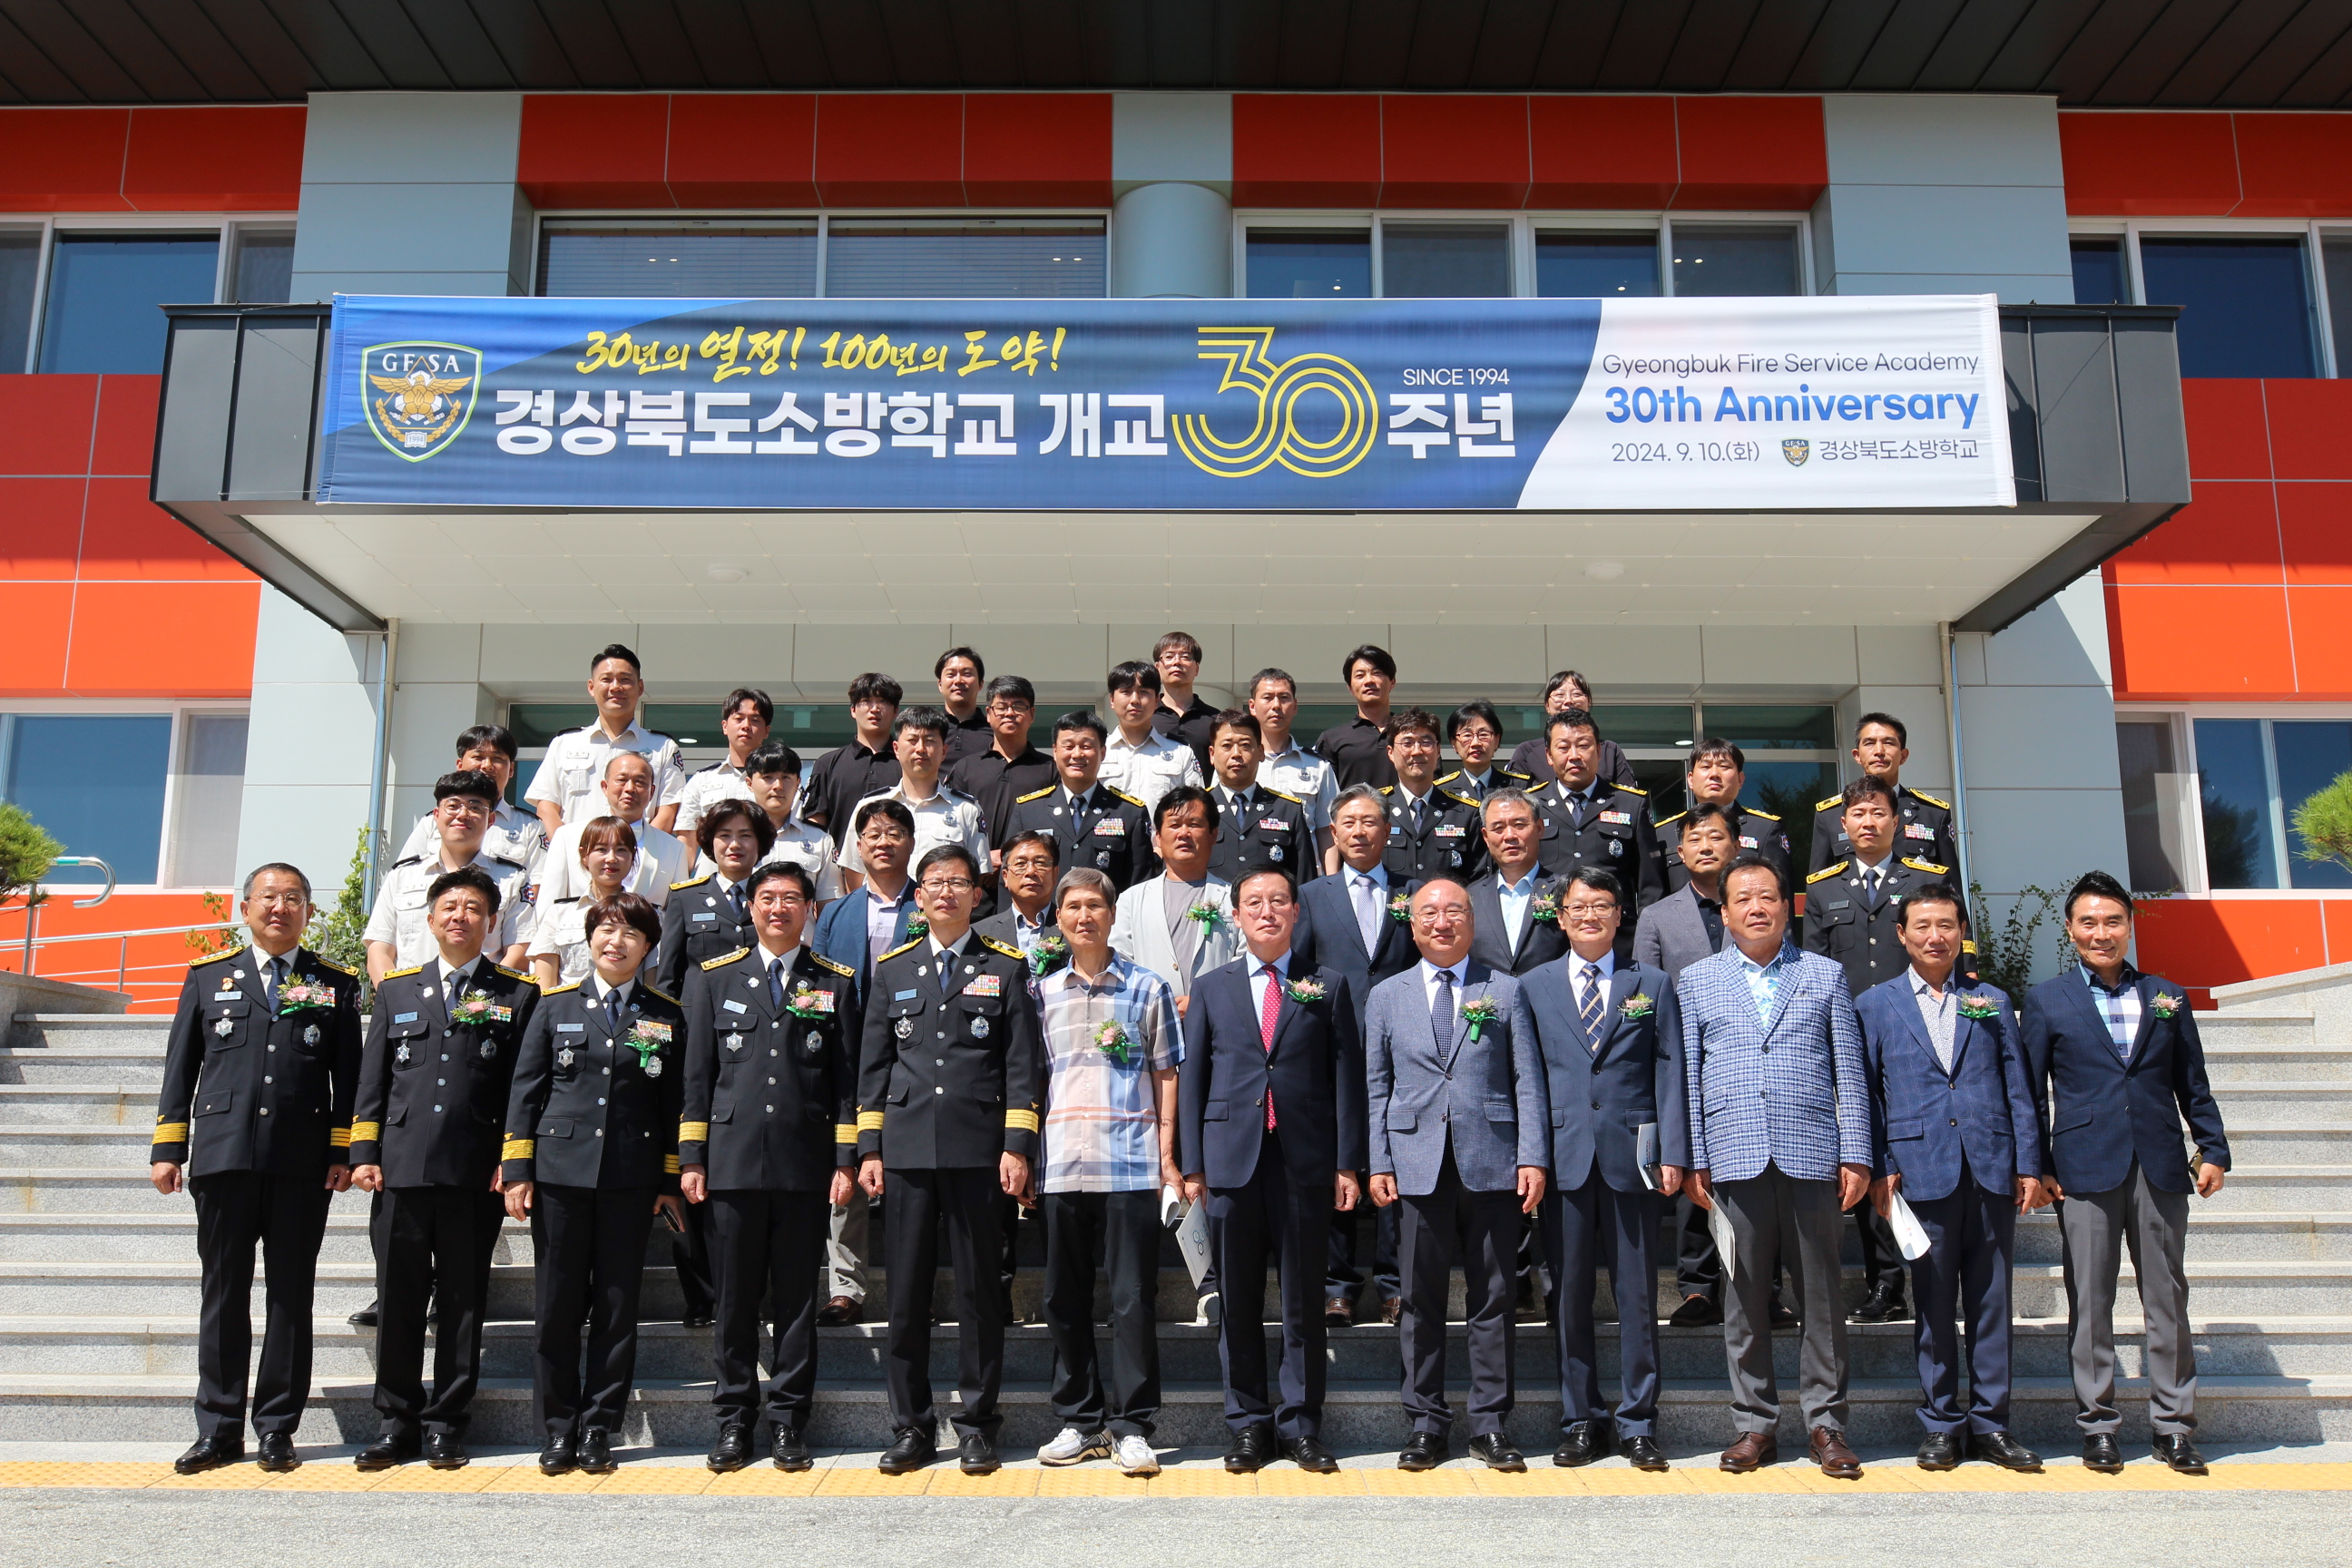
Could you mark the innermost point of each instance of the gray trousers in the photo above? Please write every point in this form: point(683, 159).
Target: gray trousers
point(845, 1249)
point(1778, 1220)
point(2094, 1228)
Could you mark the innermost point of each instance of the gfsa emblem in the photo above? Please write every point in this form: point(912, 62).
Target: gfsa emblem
point(1796, 449)
point(1275, 388)
point(424, 394)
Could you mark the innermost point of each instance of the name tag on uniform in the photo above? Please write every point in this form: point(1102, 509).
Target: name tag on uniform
point(403, 1017)
point(734, 1007)
point(1111, 828)
point(1619, 818)
point(984, 986)
point(571, 1028)
point(903, 996)
point(704, 915)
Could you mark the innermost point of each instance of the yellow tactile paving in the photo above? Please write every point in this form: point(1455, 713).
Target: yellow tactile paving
point(1200, 1479)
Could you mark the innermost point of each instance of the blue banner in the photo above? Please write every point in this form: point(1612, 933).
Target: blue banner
point(1028, 406)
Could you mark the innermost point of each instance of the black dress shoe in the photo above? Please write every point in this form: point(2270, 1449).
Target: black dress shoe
point(1643, 1454)
point(2175, 1449)
point(788, 1450)
point(1582, 1443)
point(364, 1318)
point(697, 1321)
point(445, 1451)
point(389, 1450)
point(2100, 1453)
point(1781, 1317)
point(1495, 1451)
point(561, 1454)
point(731, 1449)
point(210, 1454)
point(2000, 1448)
point(1338, 1312)
point(1309, 1454)
point(1697, 1312)
point(1422, 1451)
point(1884, 1306)
point(976, 1456)
point(909, 1450)
point(596, 1452)
point(1254, 1448)
point(277, 1452)
point(1940, 1451)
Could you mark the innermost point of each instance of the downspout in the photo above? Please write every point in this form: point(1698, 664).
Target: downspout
point(1951, 679)
point(379, 775)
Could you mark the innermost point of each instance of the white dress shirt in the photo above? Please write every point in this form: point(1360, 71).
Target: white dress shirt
point(1305, 778)
point(1429, 973)
point(1258, 981)
point(1148, 768)
point(1368, 896)
point(945, 816)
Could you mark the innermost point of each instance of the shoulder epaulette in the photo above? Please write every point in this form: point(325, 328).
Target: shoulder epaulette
point(226, 952)
point(502, 860)
point(1634, 789)
point(823, 962)
point(692, 881)
point(712, 769)
point(1825, 805)
point(657, 991)
point(723, 960)
point(1446, 778)
point(325, 962)
point(1463, 798)
point(1033, 795)
point(1931, 799)
point(1388, 789)
point(1824, 872)
point(1670, 821)
point(511, 974)
point(1280, 795)
point(1767, 816)
point(412, 860)
point(1927, 866)
point(990, 941)
point(403, 973)
point(1511, 773)
point(1121, 794)
point(903, 947)
point(559, 991)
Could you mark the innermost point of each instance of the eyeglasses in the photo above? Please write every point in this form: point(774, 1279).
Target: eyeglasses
point(1444, 911)
point(1591, 912)
point(950, 885)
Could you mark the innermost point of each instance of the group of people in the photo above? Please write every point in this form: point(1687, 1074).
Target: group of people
point(1191, 964)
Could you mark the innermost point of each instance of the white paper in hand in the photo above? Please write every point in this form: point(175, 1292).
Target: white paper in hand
point(1727, 1245)
point(1189, 1222)
point(1909, 1234)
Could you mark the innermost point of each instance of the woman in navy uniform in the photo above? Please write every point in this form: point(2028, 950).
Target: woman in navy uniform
point(710, 916)
point(590, 1155)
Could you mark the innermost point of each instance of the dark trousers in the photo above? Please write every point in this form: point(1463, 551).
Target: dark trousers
point(1882, 1257)
point(1971, 1236)
point(967, 1198)
point(768, 1245)
point(429, 1240)
point(1482, 1229)
point(689, 1251)
point(287, 1217)
point(590, 1245)
point(1121, 1230)
point(1343, 1278)
point(1272, 1220)
point(1585, 1229)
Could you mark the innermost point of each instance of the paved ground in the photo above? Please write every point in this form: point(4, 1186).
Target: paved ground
point(117, 1503)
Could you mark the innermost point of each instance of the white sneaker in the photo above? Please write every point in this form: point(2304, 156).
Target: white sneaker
point(1212, 1310)
point(1134, 1456)
point(1074, 1445)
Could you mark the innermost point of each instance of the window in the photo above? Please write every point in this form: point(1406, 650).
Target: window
point(1310, 264)
point(94, 783)
point(20, 275)
point(966, 258)
point(2099, 274)
point(1575, 265)
point(1717, 260)
point(2154, 785)
point(2337, 252)
point(1446, 260)
point(207, 796)
point(2252, 776)
point(101, 313)
point(678, 260)
point(2246, 303)
point(264, 272)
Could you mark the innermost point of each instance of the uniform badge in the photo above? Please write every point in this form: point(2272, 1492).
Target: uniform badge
point(489, 1049)
point(237, 974)
point(1616, 847)
point(311, 1036)
point(563, 1057)
point(904, 1028)
point(1618, 818)
point(653, 1066)
point(1274, 854)
point(224, 1028)
point(426, 990)
point(712, 902)
point(1110, 827)
point(733, 1042)
point(1454, 858)
point(1748, 844)
point(1919, 830)
point(814, 1042)
point(1446, 830)
point(979, 1028)
point(400, 1057)
point(1102, 860)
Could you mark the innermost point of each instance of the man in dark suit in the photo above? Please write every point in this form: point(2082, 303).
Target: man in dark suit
point(1353, 921)
point(2115, 1064)
point(1955, 1135)
point(1270, 1127)
point(1025, 918)
point(1687, 925)
point(1516, 911)
point(1460, 1134)
point(1610, 1038)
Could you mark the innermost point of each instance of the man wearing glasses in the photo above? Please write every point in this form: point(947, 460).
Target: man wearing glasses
point(396, 934)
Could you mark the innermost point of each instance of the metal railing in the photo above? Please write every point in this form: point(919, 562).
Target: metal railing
point(33, 908)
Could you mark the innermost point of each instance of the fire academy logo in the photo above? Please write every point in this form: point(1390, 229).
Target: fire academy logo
point(1796, 449)
point(424, 394)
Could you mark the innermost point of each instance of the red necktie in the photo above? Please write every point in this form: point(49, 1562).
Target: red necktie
point(1266, 1017)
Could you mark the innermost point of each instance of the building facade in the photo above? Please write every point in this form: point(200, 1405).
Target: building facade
point(2161, 712)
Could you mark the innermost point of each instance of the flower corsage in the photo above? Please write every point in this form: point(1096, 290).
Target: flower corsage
point(1207, 916)
point(1979, 1007)
point(476, 1008)
point(305, 996)
point(1113, 1041)
point(1544, 908)
point(1399, 907)
point(646, 1037)
point(1051, 952)
point(1307, 990)
point(1638, 1005)
point(1480, 1014)
point(2165, 1004)
point(809, 1001)
point(917, 925)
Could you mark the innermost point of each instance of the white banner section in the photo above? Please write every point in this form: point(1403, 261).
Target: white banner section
point(1754, 404)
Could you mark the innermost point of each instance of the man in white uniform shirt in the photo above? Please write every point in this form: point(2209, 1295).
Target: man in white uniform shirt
point(743, 720)
point(565, 785)
point(514, 834)
point(627, 793)
point(943, 815)
point(1289, 767)
point(1137, 760)
point(397, 932)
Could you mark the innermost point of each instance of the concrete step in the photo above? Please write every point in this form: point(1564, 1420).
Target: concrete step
point(2270, 1188)
point(118, 1346)
point(84, 1029)
point(2247, 1063)
point(2325, 1102)
point(77, 1105)
point(137, 1069)
point(2257, 1026)
point(2293, 1139)
point(77, 1407)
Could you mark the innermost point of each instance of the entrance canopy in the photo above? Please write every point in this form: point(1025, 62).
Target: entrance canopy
point(1903, 460)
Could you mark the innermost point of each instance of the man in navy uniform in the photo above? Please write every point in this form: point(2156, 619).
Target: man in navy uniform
point(1588, 821)
point(1881, 746)
point(255, 1122)
point(1716, 773)
point(1475, 731)
point(1431, 831)
point(1096, 826)
point(1256, 825)
point(434, 1081)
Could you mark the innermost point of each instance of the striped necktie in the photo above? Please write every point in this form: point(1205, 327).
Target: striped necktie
point(1596, 991)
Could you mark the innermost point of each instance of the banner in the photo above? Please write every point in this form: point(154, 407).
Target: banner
point(1413, 405)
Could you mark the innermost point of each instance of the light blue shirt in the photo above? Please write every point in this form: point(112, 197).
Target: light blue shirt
point(1763, 979)
point(1514, 897)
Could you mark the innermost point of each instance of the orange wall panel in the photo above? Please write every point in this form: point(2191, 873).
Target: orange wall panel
point(41, 536)
point(2205, 942)
point(1049, 148)
point(33, 654)
point(45, 423)
point(125, 442)
point(241, 158)
point(879, 149)
point(2323, 646)
point(2294, 165)
point(2229, 533)
point(1602, 152)
point(2315, 531)
point(594, 149)
point(2149, 165)
point(62, 160)
point(1764, 153)
point(2229, 429)
point(1467, 151)
point(2223, 644)
point(742, 149)
point(1307, 150)
point(164, 640)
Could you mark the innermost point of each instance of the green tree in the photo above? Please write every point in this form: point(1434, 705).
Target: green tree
point(26, 854)
point(339, 934)
point(2324, 824)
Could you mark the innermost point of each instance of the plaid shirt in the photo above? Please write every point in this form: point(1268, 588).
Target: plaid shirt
point(2119, 1007)
point(1102, 1125)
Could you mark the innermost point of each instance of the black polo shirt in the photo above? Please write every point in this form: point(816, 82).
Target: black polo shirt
point(994, 782)
point(967, 737)
point(843, 777)
point(1356, 753)
point(1195, 726)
